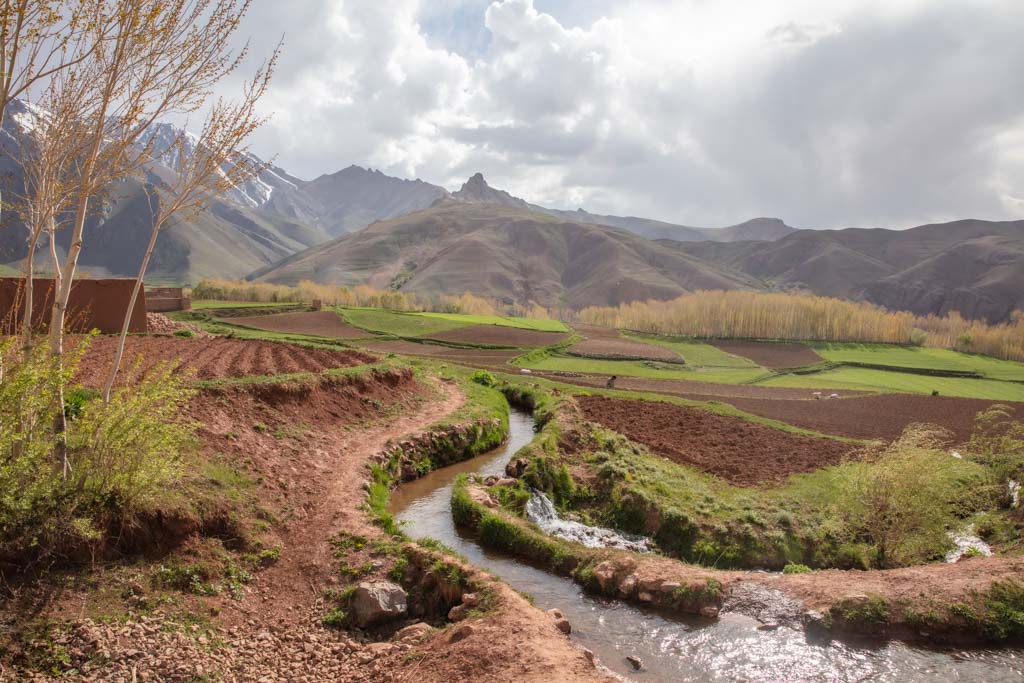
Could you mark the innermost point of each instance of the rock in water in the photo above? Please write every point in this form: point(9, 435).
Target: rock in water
point(635, 661)
point(375, 602)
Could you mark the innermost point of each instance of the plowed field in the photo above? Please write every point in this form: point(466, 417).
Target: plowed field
point(318, 323)
point(739, 451)
point(618, 348)
point(499, 335)
point(214, 358)
point(770, 354)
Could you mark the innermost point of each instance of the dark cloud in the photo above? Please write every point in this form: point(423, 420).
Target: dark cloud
point(869, 113)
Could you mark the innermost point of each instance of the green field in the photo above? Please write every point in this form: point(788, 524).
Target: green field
point(210, 304)
point(919, 357)
point(694, 352)
point(636, 368)
point(416, 324)
point(520, 323)
point(398, 324)
point(864, 379)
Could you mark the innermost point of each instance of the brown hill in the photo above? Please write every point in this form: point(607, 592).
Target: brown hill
point(972, 266)
point(507, 253)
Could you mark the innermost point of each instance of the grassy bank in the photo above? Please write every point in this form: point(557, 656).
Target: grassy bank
point(818, 519)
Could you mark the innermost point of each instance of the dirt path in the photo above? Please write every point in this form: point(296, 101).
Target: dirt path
point(291, 588)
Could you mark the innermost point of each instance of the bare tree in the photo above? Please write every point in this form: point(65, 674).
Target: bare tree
point(48, 156)
point(35, 36)
point(216, 161)
point(38, 38)
point(154, 59)
point(139, 61)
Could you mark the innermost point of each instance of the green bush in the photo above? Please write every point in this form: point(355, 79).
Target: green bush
point(483, 378)
point(122, 455)
point(902, 503)
point(1004, 610)
point(796, 569)
point(187, 333)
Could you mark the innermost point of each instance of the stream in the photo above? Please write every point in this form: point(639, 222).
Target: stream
point(671, 647)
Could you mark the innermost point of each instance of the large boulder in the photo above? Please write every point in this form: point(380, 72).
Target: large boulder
point(375, 602)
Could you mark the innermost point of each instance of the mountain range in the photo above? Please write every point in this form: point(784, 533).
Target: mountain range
point(361, 225)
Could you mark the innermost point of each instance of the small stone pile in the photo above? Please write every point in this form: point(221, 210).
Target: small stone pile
point(158, 323)
point(158, 649)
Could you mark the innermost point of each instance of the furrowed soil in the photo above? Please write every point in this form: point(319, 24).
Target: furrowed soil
point(770, 354)
point(608, 342)
point(474, 357)
point(316, 323)
point(212, 358)
point(739, 451)
point(875, 417)
point(607, 347)
point(499, 335)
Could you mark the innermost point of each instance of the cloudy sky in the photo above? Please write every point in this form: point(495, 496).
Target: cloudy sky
point(827, 113)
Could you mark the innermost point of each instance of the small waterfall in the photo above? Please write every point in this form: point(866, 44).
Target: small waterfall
point(541, 511)
point(1013, 488)
point(964, 541)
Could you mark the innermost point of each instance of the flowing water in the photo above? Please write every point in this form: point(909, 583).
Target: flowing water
point(674, 648)
point(541, 511)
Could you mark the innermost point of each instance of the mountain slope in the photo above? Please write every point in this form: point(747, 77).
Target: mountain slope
point(972, 266)
point(506, 253)
point(354, 197)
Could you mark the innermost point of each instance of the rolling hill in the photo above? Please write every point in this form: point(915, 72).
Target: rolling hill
point(971, 266)
point(505, 252)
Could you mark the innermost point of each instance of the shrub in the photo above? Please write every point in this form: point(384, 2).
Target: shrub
point(1004, 610)
point(483, 378)
point(871, 612)
point(902, 503)
point(796, 569)
point(187, 333)
point(122, 454)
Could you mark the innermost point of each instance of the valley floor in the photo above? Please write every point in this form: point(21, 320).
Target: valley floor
point(300, 443)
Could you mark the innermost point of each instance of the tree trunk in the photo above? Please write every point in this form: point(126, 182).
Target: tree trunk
point(57, 318)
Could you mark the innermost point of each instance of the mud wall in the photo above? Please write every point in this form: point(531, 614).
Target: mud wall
point(93, 304)
point(162, 299)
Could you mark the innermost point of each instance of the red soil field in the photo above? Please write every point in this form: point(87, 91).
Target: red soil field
point(213, 358)
point(319, 323)
point(596, 331)
point(618, 348)
point(741, 452)
point(474, 357)
point(876, 417)
point(499, 335)
point(856, 415)
point(770, 354)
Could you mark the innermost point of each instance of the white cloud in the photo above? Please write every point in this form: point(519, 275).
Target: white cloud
point(698, 112)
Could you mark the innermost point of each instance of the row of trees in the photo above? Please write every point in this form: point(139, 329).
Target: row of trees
point(97, 75)
point(758, 315)
point(360, 295)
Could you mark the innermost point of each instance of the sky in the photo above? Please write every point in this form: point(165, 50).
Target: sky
point(825, 113)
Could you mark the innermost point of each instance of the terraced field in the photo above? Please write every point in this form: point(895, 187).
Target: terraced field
point(315, 323)
point(421, 324)
point(867, 379)
point(740, 451)
point(214, 358)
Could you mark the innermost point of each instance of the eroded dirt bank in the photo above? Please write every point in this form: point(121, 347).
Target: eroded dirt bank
point(306, 445)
